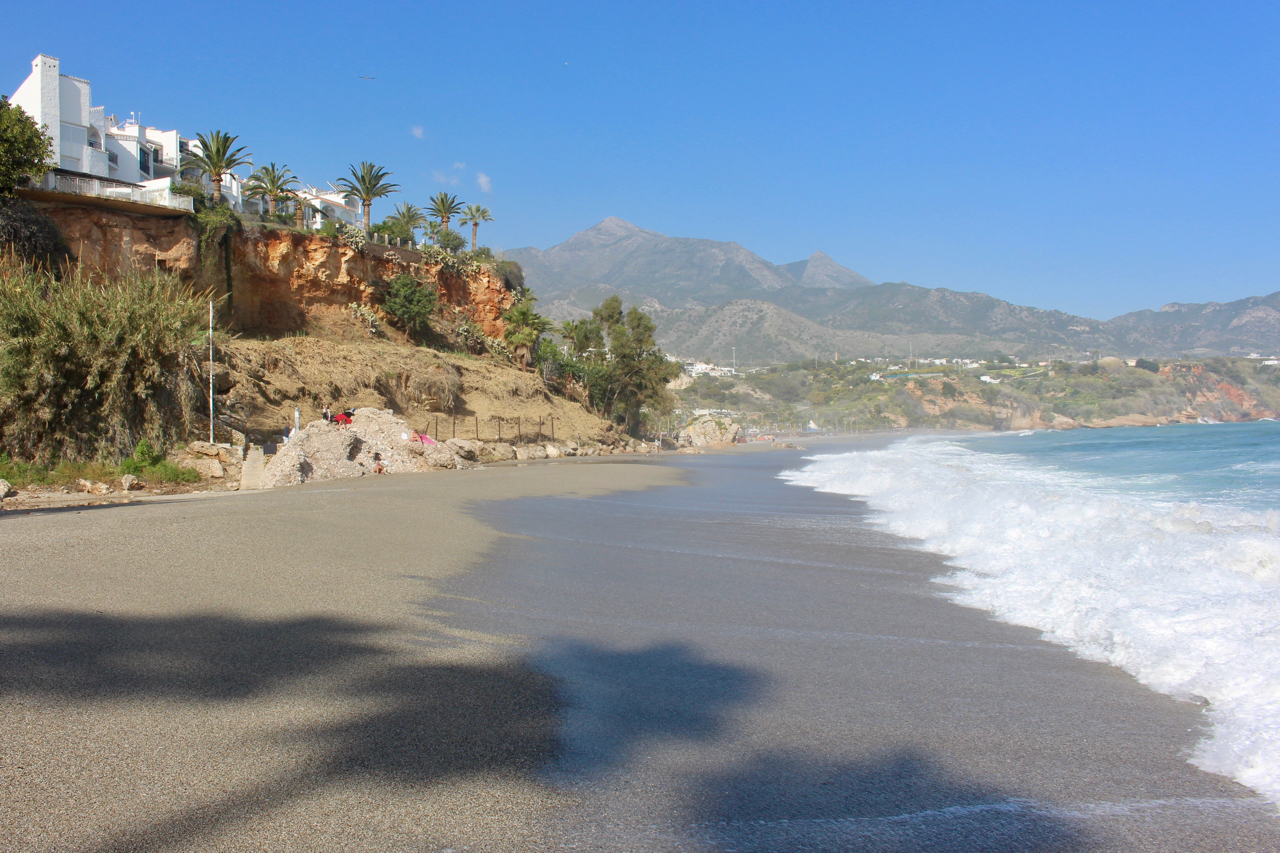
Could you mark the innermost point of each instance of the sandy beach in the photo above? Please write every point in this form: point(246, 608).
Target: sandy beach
point(682, 654)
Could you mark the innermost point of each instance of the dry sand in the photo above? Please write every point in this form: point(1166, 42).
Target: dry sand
point(262, 671)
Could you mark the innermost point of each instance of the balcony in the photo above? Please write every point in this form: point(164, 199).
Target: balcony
point(116, 191)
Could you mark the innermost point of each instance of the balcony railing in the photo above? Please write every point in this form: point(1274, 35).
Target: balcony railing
point(113, 190)
point(113, 158)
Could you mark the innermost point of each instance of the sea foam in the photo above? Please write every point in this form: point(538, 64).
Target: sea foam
point(1184, 596)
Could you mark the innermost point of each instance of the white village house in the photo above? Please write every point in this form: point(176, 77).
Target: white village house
point(96, 154)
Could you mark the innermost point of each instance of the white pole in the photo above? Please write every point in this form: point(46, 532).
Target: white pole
point(211, 371)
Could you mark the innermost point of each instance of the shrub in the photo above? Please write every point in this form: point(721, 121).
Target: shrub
point(411, 302)
point(447, 261)
point(145, 454)
point(512, 275)
point(1144, 364)
point(88, 367)
point(194, 190)
point(352, 235)
point(451, 241)
point(328, 229)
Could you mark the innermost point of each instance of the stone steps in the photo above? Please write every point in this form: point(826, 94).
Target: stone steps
point(254, 466)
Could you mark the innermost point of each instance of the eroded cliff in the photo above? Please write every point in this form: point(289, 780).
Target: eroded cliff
point(275, 281)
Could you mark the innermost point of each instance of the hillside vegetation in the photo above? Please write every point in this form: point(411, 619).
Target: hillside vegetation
point(1093, 394)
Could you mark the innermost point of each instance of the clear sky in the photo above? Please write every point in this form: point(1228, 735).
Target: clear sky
point(1092, 157)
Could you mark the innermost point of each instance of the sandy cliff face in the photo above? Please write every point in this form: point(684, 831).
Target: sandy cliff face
point(115, 242)
point(277, 279)
point(280, 278)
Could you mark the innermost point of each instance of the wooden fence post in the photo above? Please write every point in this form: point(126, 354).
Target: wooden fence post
point(477, 417)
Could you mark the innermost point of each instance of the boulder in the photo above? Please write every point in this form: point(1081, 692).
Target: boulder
point(130, 483)
point(232, 455)
point(498, 451)
point(93, 487)
point(207, 468)
point(709, 430)
point(691, 450)
point(469, 450)
point(553, 452)
point(6, 489)
point(201, 448)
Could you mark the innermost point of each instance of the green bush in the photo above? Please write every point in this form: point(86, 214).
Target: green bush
point(1144, 364)
point(90, 366)
point(411, 302)
point(145, 454)
point(512, 275)
point(165, 471)
point(195, 191)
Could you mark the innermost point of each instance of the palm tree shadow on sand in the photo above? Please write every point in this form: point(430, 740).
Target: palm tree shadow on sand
point(563, 714)
point(434, 721)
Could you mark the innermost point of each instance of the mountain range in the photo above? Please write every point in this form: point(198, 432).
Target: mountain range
point(714, 300)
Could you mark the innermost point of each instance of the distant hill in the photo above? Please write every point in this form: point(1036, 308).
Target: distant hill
point(711, 298)
point(676, 271)
point(1207, 328)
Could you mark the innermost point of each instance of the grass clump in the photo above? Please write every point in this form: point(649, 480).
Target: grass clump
point(89, 366)
point(149, 464)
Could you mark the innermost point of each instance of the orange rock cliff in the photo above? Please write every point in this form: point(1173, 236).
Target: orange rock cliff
point(274, 280)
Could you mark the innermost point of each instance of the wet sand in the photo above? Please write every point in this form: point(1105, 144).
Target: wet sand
point(674, 655)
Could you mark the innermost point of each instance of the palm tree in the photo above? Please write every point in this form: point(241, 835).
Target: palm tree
point(367, 183)
point(300, 208)
point(444, 207)
point(410, 217)
point(272, 184)
point(433, 230)
point(475, 214)
point(524, 327)
point(217, 158)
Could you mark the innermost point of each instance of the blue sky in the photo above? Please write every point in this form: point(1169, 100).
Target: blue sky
point(1092, 157)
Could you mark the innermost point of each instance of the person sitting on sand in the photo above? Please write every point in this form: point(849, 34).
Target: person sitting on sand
point(378, 467)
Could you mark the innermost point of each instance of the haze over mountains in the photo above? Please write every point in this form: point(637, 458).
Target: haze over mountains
point(712, 299)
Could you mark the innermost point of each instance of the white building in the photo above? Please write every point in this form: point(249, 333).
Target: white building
point(97, 154)
point(331, 204)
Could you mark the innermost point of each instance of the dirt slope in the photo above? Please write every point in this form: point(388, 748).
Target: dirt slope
point(260, 383)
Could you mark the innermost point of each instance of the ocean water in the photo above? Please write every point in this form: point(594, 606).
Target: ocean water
point(1156, 550)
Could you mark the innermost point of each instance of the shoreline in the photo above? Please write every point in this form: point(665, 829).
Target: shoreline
point(378, 662)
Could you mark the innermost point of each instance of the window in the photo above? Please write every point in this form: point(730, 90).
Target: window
point(144, 161)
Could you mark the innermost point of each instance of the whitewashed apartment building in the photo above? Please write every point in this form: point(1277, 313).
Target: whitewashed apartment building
point(97, 154)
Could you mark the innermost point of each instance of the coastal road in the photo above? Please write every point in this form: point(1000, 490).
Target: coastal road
point(686, 655)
